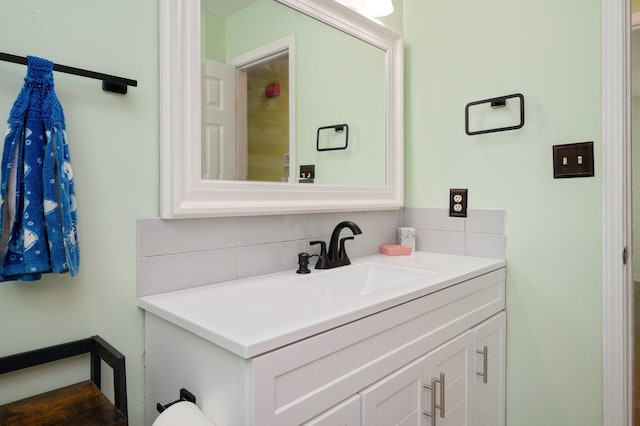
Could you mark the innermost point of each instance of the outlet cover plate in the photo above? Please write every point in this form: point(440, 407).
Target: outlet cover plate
point(307, 173)
point(458, 202)
point(573, 160)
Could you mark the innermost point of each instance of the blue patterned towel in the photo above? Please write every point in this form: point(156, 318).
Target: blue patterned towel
point(38, 220)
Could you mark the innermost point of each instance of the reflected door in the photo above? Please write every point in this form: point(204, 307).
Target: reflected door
point(219, 115)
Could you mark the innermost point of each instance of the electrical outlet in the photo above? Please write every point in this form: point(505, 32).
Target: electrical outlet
point(307, 173)
point(458, 202)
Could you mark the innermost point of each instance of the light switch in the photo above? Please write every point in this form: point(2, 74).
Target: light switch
point(573, 160)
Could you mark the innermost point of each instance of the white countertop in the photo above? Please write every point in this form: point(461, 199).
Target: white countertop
point(255, 315)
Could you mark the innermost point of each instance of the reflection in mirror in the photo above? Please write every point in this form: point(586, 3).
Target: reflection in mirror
point(271, 77)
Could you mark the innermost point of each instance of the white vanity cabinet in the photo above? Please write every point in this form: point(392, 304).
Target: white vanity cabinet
point(372, 370)
point(414, 394)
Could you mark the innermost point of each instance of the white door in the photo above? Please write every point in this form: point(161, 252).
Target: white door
point(219, 114)
point(489, 341)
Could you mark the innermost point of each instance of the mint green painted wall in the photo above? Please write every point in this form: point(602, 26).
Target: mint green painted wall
point(338, 80)
point(457, 52)
point(213, 37)
point(115, 153)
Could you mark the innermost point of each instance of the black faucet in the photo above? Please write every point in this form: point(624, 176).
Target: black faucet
point(337, 255)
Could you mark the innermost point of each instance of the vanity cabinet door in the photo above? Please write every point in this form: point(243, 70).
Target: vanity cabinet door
point(398, 399)
point(450, 371)
point(346, 413)
point(489, 341)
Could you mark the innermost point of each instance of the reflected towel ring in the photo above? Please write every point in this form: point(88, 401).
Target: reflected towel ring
point(337, 128)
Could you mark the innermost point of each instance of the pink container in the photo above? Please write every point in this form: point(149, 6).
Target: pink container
point(395, 250)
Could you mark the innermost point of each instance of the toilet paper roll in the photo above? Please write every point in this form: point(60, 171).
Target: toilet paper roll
point(407, 237)
point(182, 413)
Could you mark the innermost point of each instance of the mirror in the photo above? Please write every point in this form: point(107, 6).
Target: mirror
point(201, 179)
point(270, 131)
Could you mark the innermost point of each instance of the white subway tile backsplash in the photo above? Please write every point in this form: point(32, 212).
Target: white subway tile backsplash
point(370, 242)
point(323, 224)
point(183, 253)
point(431, 218)
point(378, 220)
point(480, 234)
point(486, 221)
point(449, 242)
point(268, 229)
point(159, 274)
point(157, 236)
point(268, 258)
point(485, 245)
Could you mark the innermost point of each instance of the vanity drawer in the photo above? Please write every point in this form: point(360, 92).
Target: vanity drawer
point(299, 381)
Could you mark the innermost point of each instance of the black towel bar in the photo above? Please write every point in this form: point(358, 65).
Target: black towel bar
point(110, 83)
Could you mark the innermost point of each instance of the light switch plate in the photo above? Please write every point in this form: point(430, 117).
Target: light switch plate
point(573, 160)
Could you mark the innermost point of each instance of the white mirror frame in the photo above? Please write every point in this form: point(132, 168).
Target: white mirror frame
point(184, 194)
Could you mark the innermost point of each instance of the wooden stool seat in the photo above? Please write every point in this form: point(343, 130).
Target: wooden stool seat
point(80, 404)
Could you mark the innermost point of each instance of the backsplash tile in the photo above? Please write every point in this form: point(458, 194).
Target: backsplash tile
point(481, 234)
point(159, 274)
point(268, 258)
point(322, 224)
point(182, 253)
point(486, 221)
point(485, 245)
point(369, 242)
point(449, 242)
point(430, 218)
point(158, 236)
point(267, 229)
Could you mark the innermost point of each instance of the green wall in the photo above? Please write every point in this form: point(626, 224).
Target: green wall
point(213, 44)
point(115, 154)
point(458, 52)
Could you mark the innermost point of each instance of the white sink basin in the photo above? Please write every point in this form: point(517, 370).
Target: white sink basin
point(364, 278)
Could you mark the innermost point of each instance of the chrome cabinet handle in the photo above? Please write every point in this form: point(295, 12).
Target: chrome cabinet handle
point(433, 402)
point(441, 407)
point(485, 364)
point(435, 406)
